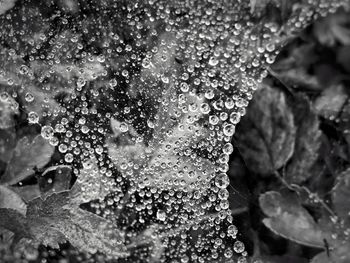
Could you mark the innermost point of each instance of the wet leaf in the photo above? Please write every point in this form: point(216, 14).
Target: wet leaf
point(28, 154)
point(266, 135)
point(341, 196)
point(307, 142)
point(287, 218)
point(91, 184)
point(53, 221)
point(164, 162)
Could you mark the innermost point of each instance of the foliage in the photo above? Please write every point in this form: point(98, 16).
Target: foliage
point(117, 123)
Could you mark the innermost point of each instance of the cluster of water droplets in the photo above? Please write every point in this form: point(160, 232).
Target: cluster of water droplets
point(154, 98)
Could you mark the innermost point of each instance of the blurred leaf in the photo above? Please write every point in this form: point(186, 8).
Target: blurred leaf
point(307, 142)
point(10, 200)
point(266, 135)
point(343, 57)
point(332, 29)
point(299, 78)
point(287, 218)
point(341, 196)
point(28, 154)
point(6, 5)
point(340, 254)
point(331, 101)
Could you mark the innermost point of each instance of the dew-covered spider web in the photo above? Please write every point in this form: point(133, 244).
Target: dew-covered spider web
point(125, 111)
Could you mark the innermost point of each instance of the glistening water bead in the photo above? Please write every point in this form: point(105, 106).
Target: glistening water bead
point(47, 132)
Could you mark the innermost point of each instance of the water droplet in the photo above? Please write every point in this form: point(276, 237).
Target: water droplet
point(47, 132)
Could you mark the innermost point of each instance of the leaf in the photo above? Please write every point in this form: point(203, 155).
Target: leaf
point(340, 254)
point(28, 154)
point(287, 218)
point(10, 200)
point(333, 29)
point(331, 101)
point(266, 135)
point(6, 5)
point(53, 221)
point(165, 162)
point(307, 142)
point(84, 230)
point(92, 233)
point(341, 196)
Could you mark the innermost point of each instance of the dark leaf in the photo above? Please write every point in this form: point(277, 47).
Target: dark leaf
point(287, 218)
point(266, 134)
point(60, 182)
point(307, 142)
point(333, 29)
